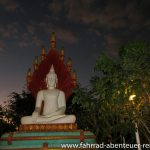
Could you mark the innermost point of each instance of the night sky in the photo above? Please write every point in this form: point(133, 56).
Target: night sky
point(84, 27)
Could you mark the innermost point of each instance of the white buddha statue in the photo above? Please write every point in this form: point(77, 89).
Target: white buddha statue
point(54, 105)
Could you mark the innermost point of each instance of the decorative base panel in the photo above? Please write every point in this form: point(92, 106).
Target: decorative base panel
point(46, 137)
point(48, 127)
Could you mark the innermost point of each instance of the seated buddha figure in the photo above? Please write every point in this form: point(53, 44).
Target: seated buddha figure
point(54, 105)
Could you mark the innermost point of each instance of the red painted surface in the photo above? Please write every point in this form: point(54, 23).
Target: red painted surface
point(64, 77)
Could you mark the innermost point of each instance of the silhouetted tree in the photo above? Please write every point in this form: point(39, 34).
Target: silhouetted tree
point(21, 105)
point(18, 106)
point(6, 124)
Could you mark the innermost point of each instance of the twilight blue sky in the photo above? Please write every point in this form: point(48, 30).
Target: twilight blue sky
point(84, 27)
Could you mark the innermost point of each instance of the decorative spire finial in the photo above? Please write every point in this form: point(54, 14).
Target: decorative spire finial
point(43, 53)
point(53, 41)
point(62, 53)
point(69, 64)
point(29, 77)
point(36, 63)
point(74, 78)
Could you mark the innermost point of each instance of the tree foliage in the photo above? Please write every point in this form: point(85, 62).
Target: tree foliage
point(110, 114)
point(6, 124)
point(18, 106)
point(21, 105)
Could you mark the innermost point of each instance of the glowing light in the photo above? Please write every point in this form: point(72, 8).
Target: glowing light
point(131, 97)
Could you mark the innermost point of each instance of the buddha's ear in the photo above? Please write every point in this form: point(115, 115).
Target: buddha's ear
point(56, 84)
point(45, 81)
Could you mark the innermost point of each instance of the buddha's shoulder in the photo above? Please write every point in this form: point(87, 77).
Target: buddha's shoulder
point(61, 92)
point(40, 92)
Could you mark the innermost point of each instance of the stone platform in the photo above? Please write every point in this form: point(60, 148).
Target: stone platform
point(46, 137)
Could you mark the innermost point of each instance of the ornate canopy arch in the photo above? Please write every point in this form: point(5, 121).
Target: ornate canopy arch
point(66, 78)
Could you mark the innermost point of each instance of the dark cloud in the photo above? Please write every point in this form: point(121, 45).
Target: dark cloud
point(27, 39)
point(2, 47)
point(63, 34)
point(30, 29)
point(9, 30)
point(23, 44)
point(114, 14)
point(85, 27)
point(9, 5)
point(37, 41)
point(66, 36)
point(95, 31)
point(24, 40)
point(102, 17)
point(112, 45)
point(58, 6)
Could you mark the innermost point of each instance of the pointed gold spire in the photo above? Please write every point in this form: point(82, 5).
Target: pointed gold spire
point(29, 77)
point(62, 53)
point(53, 41)
point(74, 78)
point(69, 64)
point(43, 53)
point(36, 63)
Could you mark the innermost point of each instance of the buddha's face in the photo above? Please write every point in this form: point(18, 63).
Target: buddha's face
point(51, 80)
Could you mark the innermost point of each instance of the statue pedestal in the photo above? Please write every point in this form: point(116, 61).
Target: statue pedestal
point(46, 137)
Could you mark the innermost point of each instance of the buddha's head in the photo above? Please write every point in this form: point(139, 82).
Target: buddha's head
point(51, 78)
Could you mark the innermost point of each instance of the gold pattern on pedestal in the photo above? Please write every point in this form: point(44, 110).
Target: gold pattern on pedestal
point(48, 127)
